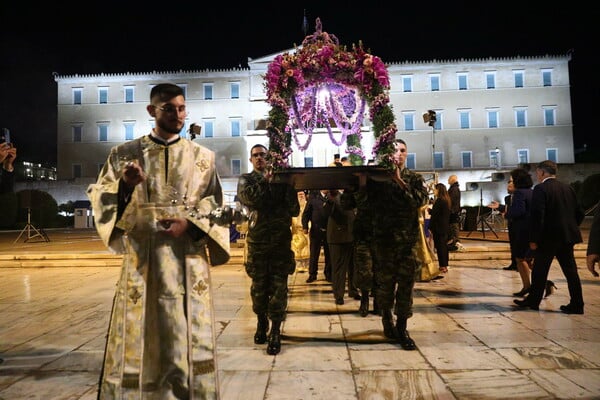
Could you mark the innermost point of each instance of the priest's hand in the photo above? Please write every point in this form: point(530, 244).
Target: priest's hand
point(175, 227)
point(133, 174)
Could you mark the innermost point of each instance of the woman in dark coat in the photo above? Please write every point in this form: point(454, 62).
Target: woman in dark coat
point(519, 214)
point(439, 224)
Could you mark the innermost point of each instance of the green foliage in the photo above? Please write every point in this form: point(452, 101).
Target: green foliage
point(42, 207)
point(9, 207)
point(588, 192)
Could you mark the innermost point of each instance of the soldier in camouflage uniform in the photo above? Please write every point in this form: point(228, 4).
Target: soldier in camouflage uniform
point(395, 206)
point(270, 258)
point(364, 262)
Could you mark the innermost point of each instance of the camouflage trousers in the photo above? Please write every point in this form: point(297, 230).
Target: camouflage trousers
point(268, 265)
point(363, 265)
point(395, 275)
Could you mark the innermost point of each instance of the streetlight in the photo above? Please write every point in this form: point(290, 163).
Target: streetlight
point(430, 119)
point(498, 163)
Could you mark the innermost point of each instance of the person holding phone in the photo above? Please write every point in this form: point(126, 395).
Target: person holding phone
point(8, 154)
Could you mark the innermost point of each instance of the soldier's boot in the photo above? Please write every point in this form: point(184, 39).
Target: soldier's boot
point(274, 346)
point(364, 303)
point(403, 338)
point(376, 309)
point(388, 323)
point(262, 326)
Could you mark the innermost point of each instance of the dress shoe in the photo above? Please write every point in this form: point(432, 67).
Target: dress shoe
point(550, 288)
point(570, 309)
point(523, 292)
point(524, 304)
point(355, 296)
point(339, 302)
point(311, 279)
point(511, 267)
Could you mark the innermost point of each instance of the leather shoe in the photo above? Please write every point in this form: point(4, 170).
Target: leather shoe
point(522, 293)
point(355, 296)
point(339, 302)
point(311, 279)
point(511, 267)
point(570, 309)
point(524, 304)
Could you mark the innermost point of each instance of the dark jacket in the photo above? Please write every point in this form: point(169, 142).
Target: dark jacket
point(314, 213)
point(518, 214)
point(594, 239)
point(555, 214)
point(439, 223)
point(454, 193)
point(339, 222)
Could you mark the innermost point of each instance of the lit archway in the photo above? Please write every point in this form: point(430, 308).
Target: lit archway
point(321, 82)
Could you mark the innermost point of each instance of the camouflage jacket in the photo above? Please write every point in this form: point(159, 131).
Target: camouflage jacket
point(395, 211)
point(273, 204)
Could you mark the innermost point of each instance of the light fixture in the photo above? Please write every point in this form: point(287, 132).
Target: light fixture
point(430, 117)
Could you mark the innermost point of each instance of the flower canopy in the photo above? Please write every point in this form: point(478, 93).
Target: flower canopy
point(320, 81)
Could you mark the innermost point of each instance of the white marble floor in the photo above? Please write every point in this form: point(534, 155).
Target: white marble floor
point(472, 343)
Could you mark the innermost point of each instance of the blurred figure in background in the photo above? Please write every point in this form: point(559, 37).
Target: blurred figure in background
point(439, 224)
point(453, 235)
point(300, 240)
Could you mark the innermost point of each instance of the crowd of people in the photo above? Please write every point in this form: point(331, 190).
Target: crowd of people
point(158, 201)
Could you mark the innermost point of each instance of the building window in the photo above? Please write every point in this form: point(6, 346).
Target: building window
point(523, 156)
point(495, 161)
point(235, 127)
point(409, 121)
point(466, 159)
point(549, 116)
point(208, 128)
point(103, 95)
point(464, 119)
point(438, 159)
point(129, 94)
point(207, 89)
point(77, 95)
point(77, 133)
point(521, 117)
point(519, 78)
point(129, 130)
point(492, 117)
point(463, 83)
point(434, 82)
point(234, 88)
point(236, 166)
point(308, 162)
point(552, 155)
point(411, 161)
point(183, 87)
point(490, 79)
point(76, 170)
point(547, 77)
point(103, 132)
point(407, 83)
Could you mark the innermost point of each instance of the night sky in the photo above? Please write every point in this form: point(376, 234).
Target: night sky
point(119, 37)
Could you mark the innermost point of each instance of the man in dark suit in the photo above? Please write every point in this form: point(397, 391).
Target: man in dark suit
point(593, 247)
point(315, 215)
point(555, 219)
